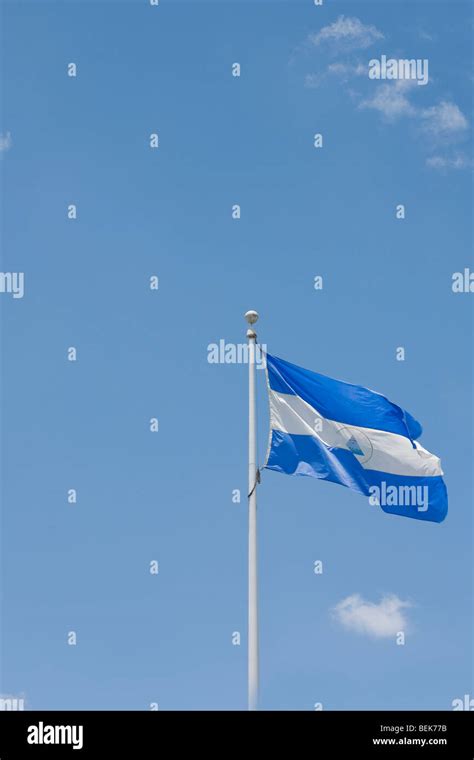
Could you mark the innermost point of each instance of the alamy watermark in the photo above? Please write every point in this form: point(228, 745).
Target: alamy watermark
point(399, 496)
point(52, 734)
point(414, 69)
point(12, 282)
point(465, 703)
point(463, 282)
point(9, 703)
point(236, 353)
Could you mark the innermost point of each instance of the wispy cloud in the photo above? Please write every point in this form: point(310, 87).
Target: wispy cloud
point(439, 122)
point(314, 80)
point(380, 620)
point(443, 122)
point(391, 100)
point(426, 36)
point(5, 142)
point(348, 31)
point(459, 161)
point(444, 119)
point(341, 71)
point(348, 70)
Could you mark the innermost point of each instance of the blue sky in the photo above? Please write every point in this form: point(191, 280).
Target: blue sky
point(167, 496)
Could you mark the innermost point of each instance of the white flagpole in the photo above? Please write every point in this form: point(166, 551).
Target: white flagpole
point(251, 317)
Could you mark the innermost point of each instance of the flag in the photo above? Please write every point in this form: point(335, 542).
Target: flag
point(347, 434)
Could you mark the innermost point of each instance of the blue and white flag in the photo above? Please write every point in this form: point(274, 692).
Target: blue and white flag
point(353, 436)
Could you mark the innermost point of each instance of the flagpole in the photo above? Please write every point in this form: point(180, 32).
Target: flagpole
point(251, 317)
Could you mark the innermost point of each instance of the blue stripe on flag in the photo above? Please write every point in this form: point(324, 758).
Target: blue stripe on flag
point(305, 455)
point(341, 402)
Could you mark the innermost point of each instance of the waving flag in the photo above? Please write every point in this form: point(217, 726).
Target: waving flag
point(353, 436)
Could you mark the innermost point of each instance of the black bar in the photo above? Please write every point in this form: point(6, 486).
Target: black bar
point(318, 735)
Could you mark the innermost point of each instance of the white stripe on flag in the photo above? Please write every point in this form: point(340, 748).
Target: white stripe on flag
point(374, 449)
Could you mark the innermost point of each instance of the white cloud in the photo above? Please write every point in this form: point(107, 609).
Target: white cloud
point(459, 161)
point(342, 71)
point(351, 32)
point(426, 36)
point(442, 122)
point(347, 70)
point(380, 620)
point(313, 80)
point(391, 100)
point(5, 142)
point(445, 118)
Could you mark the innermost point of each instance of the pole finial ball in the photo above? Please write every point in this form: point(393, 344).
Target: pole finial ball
point(251, 317)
